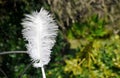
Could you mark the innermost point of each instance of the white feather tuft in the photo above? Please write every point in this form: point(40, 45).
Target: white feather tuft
point(40, 31)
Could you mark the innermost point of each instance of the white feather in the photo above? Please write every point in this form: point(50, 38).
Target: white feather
point(40, 31)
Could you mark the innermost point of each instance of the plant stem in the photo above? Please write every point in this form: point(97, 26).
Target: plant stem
point(43, 72)
point(12, 52)
point(3, 73)
point(21, 74)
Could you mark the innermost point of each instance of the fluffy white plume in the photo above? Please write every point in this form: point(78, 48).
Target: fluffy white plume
point(40, 31)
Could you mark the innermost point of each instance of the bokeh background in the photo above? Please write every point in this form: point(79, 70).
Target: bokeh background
point(88, 41)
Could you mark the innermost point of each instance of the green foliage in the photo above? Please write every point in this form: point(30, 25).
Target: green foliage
point(97, 52)
point(93, 27)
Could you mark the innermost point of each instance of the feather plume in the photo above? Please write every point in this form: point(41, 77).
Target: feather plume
point(40, 30)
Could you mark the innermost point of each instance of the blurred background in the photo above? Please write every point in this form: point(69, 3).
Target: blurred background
point(88, 42)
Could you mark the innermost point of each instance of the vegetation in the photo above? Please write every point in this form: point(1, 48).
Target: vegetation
point(88, 42)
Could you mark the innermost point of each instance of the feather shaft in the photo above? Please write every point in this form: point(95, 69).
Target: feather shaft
point(43, 72)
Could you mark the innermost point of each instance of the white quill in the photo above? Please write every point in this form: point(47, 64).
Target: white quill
point(40, 30)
